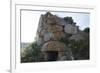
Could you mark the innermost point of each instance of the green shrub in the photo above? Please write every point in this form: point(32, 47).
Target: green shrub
point(80, 49)
point(32, 54)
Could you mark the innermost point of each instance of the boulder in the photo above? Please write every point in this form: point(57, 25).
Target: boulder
point(50, 19)
point(71, 29)
point(53, 46)
point(60, 21)
point(58, 35)
point(39, 40)
point(55, 28)
point(47, 36)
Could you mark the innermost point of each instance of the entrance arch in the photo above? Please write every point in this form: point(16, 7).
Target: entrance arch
point(53, 50)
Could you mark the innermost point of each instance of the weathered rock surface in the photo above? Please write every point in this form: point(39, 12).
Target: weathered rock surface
point(71, 29)
point(57, 39)
point(53, 46)
point(55, 28)
point(51, 29)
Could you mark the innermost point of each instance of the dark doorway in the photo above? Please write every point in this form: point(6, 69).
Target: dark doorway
point(52, 55)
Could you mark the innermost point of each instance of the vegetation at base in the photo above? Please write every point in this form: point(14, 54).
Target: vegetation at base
point(32, 54)
point(80, 49)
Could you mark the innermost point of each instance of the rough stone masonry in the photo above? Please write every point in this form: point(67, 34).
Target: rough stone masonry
point(51, 29)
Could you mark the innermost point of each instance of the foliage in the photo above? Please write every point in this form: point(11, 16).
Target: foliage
point(32, 54)
point(80, 49)
point(65, 39)
point(87, 30)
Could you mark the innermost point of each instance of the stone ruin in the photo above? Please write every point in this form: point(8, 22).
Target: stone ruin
point(51, 29)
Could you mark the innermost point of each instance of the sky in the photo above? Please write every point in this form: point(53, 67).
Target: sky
point(30, 19)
